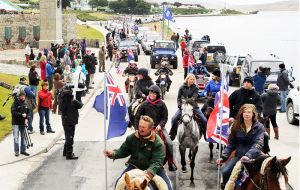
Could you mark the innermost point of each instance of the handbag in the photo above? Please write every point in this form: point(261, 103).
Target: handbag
point(80, 84)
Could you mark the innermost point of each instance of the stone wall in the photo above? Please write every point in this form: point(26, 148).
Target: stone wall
point(20, 29)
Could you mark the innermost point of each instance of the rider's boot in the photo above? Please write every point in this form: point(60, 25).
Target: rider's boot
point(173, 132)
point(268, 131)
point(276, 133)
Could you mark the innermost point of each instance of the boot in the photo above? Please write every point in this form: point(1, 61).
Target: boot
point(173, 132)
point(268, 131)
point(276, 133)
point(71, 157)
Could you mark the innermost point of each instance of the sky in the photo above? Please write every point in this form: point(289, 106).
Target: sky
point(233, 2)
point(246, 2)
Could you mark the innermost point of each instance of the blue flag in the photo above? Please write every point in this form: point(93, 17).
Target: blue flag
point(116, 108)
point(168, 14)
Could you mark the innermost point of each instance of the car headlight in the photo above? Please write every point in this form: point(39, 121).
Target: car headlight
point(156, 57)
point(172, 57)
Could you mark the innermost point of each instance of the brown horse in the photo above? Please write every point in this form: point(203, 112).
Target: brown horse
point(266, 173)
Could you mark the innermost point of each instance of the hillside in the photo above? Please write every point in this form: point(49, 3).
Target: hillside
point(291, 5)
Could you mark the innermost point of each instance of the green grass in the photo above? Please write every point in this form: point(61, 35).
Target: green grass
point(5, 125)
point(83, 31)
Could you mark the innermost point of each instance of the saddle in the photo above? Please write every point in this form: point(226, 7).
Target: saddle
point(136, 105)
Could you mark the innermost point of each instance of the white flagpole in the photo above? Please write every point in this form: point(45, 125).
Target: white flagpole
point(105, 114)
point(221, 118)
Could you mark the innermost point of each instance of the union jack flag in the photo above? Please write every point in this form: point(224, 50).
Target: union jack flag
point(115, 106)
point(213, 125)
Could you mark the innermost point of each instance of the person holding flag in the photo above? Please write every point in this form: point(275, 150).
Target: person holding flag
point(246, 128)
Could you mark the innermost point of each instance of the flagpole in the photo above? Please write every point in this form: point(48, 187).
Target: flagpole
point(163, 23)
point(221, 119)
point(105, 114)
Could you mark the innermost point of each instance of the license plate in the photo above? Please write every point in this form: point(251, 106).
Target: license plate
point(209, 58)
point(238, 70)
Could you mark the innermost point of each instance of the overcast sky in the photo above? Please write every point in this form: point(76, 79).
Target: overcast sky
point(245, 2)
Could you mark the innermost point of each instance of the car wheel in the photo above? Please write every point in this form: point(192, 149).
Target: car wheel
point(290, 115)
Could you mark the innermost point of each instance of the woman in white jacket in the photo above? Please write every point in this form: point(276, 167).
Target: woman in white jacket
point(78, 77)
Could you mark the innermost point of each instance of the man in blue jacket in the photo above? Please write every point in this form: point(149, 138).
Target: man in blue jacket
point(50, 74)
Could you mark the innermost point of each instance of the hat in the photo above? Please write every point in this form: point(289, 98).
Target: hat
point(282, 66)
point(155, 89)
point(21, 93)
point(142, 71)
point(23, 78)
point(248, 79)
point(273, 87)
point(217, 72)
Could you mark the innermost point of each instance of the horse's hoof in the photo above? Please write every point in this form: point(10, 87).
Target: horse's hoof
point(192, 184)
point(184, 170)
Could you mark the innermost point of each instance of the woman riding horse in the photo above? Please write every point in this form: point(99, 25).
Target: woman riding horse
point(187, 90)
point(246, 137)
point(155, 108)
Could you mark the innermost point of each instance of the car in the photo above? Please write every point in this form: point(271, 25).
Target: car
point(123, 47)
point(142, 32)
point(148, 42)
point(196, 44)
point(270, 63)
point(292, 106)
point(232, 67)
point(135, 39)
point(213, 52)
point(164, 49)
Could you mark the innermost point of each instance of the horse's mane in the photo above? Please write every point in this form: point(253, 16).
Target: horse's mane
point(275, 170)
point(191, 101)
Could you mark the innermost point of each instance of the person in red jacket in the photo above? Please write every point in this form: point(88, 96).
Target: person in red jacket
point(44, 107)
point(185, 62)
point(182, 46)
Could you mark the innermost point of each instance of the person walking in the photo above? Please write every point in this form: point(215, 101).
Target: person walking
point(31, 56)
point(185, 63)
point(270, 100)
point(183, 46)
point(102, 59)
point(58, 84)
point(259, 80)
point(83, 47)
point(43, 64)
point(283, 83)
point(174, 38)
point(44, 107)
point(20, 116)
point(177, 40)
point(34, 80)
point(27, 53)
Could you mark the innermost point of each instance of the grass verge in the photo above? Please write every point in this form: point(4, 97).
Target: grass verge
point(5, 125)
point(83, 31)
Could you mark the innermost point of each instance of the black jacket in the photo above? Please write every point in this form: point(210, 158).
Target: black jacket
point(283, 81)
point(241, 97)
point(34, 78)
point(141, 87)
point(270, 99)
point(186, 92)
point(17, 109)
point(158, 112)
point(70, 112)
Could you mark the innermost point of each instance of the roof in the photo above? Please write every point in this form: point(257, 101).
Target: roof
point(264, 57)
point(9, 6)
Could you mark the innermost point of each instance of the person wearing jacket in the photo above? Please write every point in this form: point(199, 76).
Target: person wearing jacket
point(43, 64)
point(259, 80)
point(167, 71)
point(146, 151)
point(58, 84)
point(131, 69)
point(20, 116)
point(34, 79)
point(245, 95)
point(182, 46)
point(187, 90)
point(79, 77)
point(246, 137)
point(69, 109)
point(101, 57)
point(156, 109)
point(185, 63)
point(270, 100)
point(44, 107)
point(50, 74)
point(283, 83)
point(140, 90)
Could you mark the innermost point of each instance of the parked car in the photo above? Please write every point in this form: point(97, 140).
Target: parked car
point(269, 62)
point(142, 32)
point(292, 106)
point(213, 52)
point(164, 49)
point(135, 39)
point(232, 67)
point(123, 47)
point(148, 42)
point(197, 44)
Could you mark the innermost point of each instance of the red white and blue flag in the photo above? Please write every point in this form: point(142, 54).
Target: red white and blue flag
point(213, 124)
point(116, 108)
point(191, 63)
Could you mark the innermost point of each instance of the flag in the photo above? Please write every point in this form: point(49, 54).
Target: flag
point(130, 55)
point(116, 108)
point(168, 15)
point(213, 124)
point(191, 63)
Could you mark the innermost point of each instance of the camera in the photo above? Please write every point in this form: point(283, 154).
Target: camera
point(266, 71)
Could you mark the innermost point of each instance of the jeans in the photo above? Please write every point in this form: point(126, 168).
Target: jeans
point(16, 130)
point(44, 113)
point(30, 128)
point(227, 169)
point(34, 89)
point(160, 173)
point(283, 95)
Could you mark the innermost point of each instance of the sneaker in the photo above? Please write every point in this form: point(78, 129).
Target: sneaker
point(51, 131)
point(17, 154)
point(25, 153)
point(42, 133)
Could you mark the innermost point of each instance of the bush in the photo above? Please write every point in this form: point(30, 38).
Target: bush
point(230, 12)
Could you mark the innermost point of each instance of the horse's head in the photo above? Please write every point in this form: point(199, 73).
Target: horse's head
point(137, 183)
point(272, 174)
point(187, 110)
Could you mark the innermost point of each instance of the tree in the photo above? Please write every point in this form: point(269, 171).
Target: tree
point(65, 4)
point(132, 3)
point(164, 3)
point(102, 3)
point(93, 3)
point(177, 4)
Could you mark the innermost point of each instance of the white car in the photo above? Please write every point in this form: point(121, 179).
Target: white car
point(232, 67)
point(148, 42)
point(292, 106)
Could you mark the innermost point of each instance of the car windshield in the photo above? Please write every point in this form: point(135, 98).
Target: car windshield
point(274, 65)
point(198, 44)
point(213, 49)
point(240, 61)
point(126, 43)
point(164, 45)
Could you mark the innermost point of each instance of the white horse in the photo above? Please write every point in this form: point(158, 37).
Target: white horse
point(188, 136)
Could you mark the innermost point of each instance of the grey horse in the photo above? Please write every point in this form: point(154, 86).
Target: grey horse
point(188, 136)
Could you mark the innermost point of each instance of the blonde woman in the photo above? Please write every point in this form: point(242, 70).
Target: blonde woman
point(187, 90)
